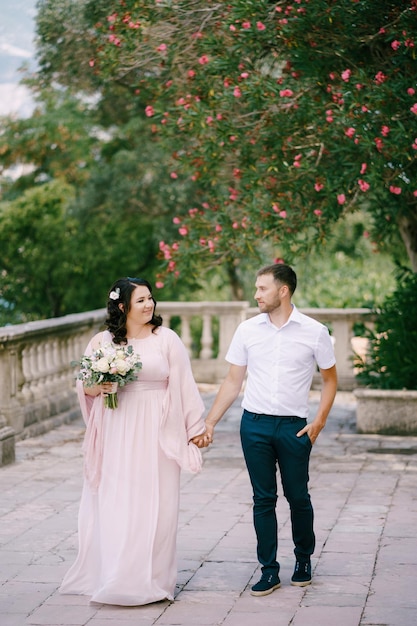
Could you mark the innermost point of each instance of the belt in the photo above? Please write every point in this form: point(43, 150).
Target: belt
point(293, 417)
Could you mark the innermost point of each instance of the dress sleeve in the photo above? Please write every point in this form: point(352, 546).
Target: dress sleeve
point(183, 407)
point(92, 409)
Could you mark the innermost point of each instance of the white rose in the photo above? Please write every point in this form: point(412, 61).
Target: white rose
point(102, 365)
point(122, 366)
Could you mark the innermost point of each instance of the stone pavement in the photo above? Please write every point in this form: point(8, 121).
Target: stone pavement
point(364, 490)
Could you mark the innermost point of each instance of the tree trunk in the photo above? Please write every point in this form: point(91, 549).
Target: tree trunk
point(234, 282)
point(407, 225)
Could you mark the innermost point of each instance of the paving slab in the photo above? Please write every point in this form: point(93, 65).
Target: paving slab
point(363, 489)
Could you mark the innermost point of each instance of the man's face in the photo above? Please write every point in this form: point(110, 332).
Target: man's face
point(267, 293)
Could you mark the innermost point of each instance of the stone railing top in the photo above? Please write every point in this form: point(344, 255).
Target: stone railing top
point(40, 327)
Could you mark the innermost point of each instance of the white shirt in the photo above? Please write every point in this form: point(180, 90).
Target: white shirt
point(280, 362)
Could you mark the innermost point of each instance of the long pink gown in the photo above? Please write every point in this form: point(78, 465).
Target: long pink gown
point(128, 514)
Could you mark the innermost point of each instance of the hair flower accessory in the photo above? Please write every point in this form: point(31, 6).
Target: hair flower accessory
point(115, 295)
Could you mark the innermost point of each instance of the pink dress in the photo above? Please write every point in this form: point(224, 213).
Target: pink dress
point(128, 514)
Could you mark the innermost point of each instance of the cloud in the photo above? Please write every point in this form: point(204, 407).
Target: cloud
point(15, 51)
point(15, 100)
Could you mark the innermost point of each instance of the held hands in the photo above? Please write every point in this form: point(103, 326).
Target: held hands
point(205, 439)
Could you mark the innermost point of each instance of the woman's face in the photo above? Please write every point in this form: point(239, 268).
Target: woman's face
point(141, 305)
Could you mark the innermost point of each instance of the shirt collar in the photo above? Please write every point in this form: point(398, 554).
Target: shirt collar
point(263, 318)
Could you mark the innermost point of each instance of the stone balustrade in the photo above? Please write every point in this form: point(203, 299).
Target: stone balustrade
point(37, 379)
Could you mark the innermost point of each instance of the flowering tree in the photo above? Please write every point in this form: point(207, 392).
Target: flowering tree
point(287, 115)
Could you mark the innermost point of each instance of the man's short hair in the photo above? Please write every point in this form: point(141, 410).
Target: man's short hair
point(282, 273)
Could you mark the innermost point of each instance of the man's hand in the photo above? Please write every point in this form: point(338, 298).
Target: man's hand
point(313, 430)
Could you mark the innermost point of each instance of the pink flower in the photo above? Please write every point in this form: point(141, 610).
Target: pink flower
point(411, 91)
point(350, 132)
point(183, 231)
point(235, 225)
point(174, 175)
point(395, 190)
point(162, 47)
point(413, 109)
point(286, 93)
point(275, 207)
point(159, 284)
point(149, 111)
point(209, 120)
point(414, 145)
point(91, 63)
point(203, 60)
point(363, 168)
point(318, 186)
point(346, 75)
point(260, 26)
point(380, 78)
point(114, 39)
point(341, 198)
point(218, 228)
point(364, 186)
point(283, 214)
point(415, 192)
point(236, 92)
point(244, 75)
point(246, 25)
point(395, 44)
point(232, 28)
point(191, 73)
point(379, 143)
point(385, 131)
point(176, 220)
point(317, 212)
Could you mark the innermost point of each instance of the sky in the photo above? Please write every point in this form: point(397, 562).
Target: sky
point(16, 48)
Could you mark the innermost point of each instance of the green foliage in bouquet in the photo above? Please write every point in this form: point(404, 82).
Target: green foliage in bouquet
point(391, 359)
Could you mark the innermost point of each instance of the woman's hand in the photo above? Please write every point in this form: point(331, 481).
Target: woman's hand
point(103, 388)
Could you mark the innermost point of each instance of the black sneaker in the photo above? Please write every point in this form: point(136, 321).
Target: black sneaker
point(267, 584)
point(302, 574)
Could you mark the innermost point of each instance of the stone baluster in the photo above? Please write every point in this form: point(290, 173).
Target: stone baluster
point(186, 333)
point(206, 338)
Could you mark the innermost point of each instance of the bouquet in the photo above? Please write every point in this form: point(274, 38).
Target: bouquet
point(109, 364)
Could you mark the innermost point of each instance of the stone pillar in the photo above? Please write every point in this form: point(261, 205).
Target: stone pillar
point(7, 443)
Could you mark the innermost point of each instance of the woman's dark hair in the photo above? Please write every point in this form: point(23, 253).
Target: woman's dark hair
point(282, 274)
point(120, 293)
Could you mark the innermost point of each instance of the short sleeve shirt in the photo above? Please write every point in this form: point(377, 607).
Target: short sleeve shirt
point(280, 362)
